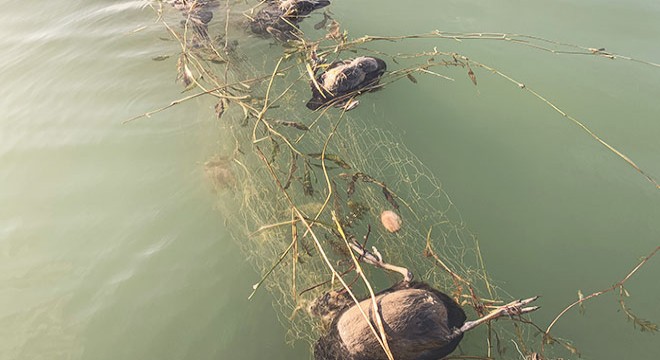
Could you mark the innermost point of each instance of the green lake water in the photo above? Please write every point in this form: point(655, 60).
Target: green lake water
point(111, 244)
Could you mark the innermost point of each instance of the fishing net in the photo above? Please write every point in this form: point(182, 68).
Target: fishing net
point(296, 185)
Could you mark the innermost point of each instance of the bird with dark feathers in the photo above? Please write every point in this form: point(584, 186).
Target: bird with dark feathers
point(344, 79)
point(418, 321)
point(421, 324)
point(198, 13)
point(280, 19)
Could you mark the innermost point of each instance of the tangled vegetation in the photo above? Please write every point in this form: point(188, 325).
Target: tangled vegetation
point(317, 186)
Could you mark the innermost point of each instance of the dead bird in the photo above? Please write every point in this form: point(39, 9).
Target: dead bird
point(280, 19)
point(420, 322)
point(198, 12)
point(343, 79)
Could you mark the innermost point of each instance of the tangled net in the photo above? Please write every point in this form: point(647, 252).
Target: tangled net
point(305, 183)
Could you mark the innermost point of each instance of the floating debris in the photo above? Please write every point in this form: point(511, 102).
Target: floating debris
point(390, 220)
point(471, 75)
point(412, 78)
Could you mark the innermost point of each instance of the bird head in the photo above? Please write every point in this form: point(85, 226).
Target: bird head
point(370, 64)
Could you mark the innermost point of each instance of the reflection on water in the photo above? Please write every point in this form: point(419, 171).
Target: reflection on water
point(109, 244)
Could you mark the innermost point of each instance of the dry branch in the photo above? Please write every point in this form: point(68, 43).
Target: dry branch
point(618, 285)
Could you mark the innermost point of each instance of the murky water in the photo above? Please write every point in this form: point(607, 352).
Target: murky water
point(110, 246)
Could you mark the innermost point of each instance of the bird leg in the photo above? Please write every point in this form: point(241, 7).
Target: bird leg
point(374, 258)
point(351, 104)
point(514, 308)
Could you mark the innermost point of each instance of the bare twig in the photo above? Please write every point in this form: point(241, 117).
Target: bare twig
point(619, 284)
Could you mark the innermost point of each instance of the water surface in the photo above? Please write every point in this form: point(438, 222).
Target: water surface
point(110, 246)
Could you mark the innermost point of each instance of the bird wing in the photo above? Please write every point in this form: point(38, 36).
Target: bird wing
point(351, 79)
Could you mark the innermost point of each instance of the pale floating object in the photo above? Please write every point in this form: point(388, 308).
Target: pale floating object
point(391, 221)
